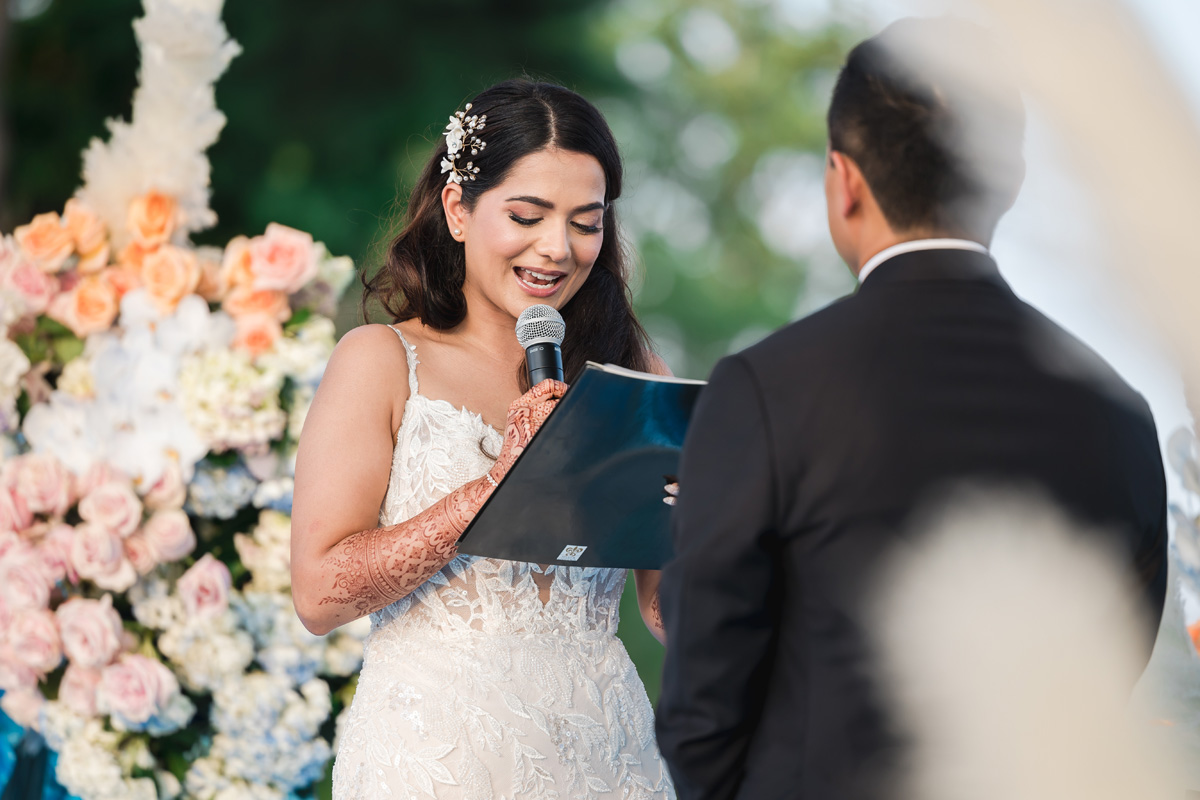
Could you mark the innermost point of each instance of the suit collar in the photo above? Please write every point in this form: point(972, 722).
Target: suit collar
point(934, 265)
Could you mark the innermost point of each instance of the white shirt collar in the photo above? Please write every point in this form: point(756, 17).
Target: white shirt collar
point(913, 246)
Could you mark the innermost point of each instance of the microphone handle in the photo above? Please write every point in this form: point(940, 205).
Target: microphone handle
point(544, 361)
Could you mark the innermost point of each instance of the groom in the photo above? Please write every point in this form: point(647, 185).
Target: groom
point(809, 453)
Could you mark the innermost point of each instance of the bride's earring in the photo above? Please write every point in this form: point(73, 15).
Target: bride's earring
point(457, 232)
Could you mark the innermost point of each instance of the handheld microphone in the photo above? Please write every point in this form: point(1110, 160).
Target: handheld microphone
point(540, 330)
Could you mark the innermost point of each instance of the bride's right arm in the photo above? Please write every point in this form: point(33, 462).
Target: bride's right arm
point(344, 565)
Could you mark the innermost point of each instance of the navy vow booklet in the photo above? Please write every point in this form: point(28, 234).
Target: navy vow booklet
point(588, 490)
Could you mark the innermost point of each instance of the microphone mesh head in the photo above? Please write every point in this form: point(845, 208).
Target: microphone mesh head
point(539, 324)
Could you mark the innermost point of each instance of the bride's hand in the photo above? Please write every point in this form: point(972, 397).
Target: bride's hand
point(525, 417)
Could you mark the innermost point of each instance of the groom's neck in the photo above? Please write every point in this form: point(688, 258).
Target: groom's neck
point(874, 242)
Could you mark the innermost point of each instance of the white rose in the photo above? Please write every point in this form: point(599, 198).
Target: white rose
point(13, 366)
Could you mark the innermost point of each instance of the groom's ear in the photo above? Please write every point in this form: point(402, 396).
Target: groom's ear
point(847, 183)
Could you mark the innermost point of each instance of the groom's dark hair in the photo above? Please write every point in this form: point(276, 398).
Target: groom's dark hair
point(928, 112)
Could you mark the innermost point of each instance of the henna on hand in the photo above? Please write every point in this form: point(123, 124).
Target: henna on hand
point(374, 568)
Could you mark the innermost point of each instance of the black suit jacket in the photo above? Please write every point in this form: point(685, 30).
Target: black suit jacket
point(806, 457)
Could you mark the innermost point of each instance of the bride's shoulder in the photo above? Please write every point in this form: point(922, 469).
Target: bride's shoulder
point(369, 356)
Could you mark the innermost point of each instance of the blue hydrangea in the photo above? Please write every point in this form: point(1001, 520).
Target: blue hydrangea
point(218, 491)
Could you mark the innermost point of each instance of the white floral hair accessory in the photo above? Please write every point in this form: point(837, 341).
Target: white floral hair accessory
point(460, 135)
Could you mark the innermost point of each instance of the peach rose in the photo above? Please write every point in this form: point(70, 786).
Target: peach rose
point(24, 706)
point(212, 286)
point(113, 506)
point(93, 262)
point(89, 234)
point(256, 333)
point(34, 288)
point(92, 633)
point(140, 554)
point(236, 265)
point(169, 492)
point(44, 484)
point(25, 580)
point(243, 300)
point(169, 275)
point(78, 689)
point(86, 228)
point(133, 254)
point(98, 556)
point(35, 641)
point(47, 241)
point(152, 219)
point(56, 553)
point(170, 536)
point(205, 588)
point(135, 690)
point(90, 307)
point(123, 278)
point(283, 259)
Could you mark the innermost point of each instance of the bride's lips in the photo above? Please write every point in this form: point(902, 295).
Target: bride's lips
point(537, 282)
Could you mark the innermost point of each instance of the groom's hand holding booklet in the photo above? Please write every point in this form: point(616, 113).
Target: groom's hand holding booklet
point(588, 490)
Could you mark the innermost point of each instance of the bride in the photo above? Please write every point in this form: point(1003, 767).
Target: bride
point(482, 678)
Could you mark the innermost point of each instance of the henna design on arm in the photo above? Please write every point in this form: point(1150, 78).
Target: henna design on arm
point(373, 568)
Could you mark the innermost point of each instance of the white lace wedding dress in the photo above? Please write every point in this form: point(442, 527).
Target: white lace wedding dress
point(494, 680)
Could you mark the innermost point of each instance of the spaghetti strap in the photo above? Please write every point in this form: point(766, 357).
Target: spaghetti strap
point(411, 353)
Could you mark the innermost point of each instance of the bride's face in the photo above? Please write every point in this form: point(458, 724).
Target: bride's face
point(534, 237)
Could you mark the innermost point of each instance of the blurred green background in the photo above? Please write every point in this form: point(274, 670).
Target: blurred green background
point(333, 108)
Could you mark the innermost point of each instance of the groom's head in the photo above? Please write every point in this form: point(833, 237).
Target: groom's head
point(925, 135)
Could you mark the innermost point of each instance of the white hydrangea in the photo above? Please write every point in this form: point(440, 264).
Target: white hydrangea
point(302, 352)
point(206, 653)
point(78, 379)
point(154, 605)
point(266, 551)
point(89, 766)
point(13, 366)
point(301, 402)
point(344, 648)
point(230, 403)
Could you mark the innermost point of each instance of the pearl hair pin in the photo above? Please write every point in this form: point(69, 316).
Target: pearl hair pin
point(460, 135)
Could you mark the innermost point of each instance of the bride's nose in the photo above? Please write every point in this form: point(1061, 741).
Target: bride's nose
point(553, 243)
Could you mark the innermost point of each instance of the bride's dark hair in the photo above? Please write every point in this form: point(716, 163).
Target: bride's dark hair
point(423, 271)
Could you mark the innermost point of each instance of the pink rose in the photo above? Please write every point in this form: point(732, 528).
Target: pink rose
point(56, 553)
point(283, 259)
point(97, 475)
point(98, 556)
point(25, 581)
point(140, 554)
point(169, 492)
point(24, 706)
point(33, 287)
point(135, 689)
point(14, 511)
point(78, 689)
point(14, 673)
point(44, 484)
point(205, 588)
point(35, 641)
point(169, 534)
point(91, 631)
point(113, 506)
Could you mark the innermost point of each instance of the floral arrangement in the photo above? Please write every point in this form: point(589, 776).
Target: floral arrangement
point(151, 396)
point(1183, 451)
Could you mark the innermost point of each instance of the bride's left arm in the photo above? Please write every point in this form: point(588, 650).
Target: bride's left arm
point(646, 580)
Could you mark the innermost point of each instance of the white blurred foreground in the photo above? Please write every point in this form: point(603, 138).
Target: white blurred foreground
point(1010, 641)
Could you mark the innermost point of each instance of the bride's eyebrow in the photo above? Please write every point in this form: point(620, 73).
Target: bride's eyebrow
point(537, 201)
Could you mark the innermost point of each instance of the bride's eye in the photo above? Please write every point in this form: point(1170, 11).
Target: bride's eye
point(523, 220)
point(587, 229)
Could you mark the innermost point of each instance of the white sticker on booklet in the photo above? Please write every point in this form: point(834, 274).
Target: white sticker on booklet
point(572, 552)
